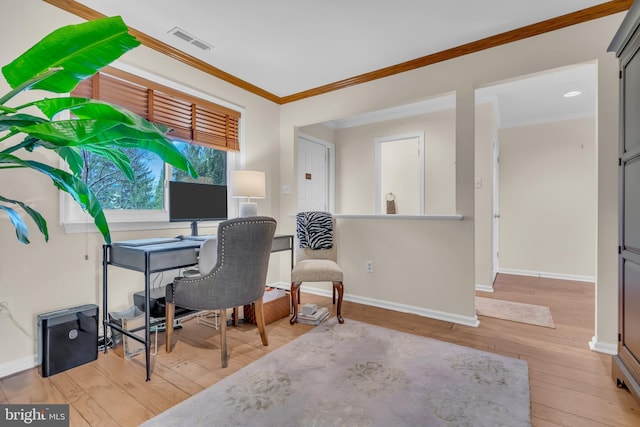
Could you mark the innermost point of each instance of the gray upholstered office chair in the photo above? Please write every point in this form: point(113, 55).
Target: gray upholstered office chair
point(207, 257)
point(316, 264)
point(238, 277)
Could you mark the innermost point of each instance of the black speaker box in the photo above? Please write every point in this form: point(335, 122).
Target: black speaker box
point(67, 338)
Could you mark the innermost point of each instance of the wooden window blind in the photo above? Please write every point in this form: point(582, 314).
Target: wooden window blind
point(190, 118)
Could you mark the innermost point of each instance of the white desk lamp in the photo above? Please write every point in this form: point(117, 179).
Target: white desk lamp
point(249, 185)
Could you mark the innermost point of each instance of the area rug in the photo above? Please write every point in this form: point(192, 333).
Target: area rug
point(538, 315)
point(356, 374)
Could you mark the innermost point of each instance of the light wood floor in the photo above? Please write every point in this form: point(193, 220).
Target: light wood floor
point(570, 385)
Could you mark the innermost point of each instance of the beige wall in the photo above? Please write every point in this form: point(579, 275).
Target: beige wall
point(483, 210)
point(355, 162)
point(422, 266)
point(320, 131)
point(548, 198)
point(42, 277)
point(450, 275)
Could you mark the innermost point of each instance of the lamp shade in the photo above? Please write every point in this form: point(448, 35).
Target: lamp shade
point(249, 184)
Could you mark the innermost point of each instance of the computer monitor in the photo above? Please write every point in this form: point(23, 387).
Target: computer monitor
point(195, 202)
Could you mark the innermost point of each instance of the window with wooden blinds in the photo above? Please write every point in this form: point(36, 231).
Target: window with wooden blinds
point(189, 118)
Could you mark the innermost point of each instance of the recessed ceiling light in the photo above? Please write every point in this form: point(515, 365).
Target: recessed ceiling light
point(572, 94)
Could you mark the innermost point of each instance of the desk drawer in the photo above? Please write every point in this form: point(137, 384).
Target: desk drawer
point(134, 258)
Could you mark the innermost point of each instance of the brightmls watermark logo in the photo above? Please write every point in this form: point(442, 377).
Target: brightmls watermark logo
point(34, 415)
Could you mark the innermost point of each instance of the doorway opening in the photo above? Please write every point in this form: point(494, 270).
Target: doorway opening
point(536, 176)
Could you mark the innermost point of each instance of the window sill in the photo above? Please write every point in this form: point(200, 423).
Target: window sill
point(84, 227)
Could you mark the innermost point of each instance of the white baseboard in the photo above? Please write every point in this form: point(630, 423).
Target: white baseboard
point(548, 275)
point(281, 285)
point(18, 365)
point(484, 288)
point(19, 351)
point(403, 308)
point(603, 347)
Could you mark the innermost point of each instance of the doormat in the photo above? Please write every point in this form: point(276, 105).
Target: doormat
point(515, 311)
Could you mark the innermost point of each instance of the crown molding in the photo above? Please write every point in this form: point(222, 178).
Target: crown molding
point(578, 17)
point(542, 27)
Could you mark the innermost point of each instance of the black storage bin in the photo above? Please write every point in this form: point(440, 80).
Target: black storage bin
point(67, 338)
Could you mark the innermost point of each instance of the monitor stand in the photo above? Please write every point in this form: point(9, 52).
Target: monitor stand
point(194, 228)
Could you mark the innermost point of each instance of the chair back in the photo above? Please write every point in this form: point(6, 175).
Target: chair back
point(330, 254)
point(240, 273)
point(208, 256)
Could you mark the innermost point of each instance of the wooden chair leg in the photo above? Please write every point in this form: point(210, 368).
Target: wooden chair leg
point(338, 286)
point(295, 297)
point(259, 307)
point(170, 309)
point(223, 337)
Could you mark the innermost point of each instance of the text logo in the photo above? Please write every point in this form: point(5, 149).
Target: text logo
point(34, 415)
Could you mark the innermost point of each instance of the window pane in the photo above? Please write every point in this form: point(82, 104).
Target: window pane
point(211, 164)
point(115, 191)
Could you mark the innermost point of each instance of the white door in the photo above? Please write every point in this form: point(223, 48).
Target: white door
point(314, 175)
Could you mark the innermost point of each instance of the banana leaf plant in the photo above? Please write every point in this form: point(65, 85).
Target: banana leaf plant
point(57, 63)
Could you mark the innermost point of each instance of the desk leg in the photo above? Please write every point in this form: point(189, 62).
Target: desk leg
point(147, 315)
point(105, 314)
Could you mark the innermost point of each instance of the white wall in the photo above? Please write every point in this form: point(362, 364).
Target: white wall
point(548, 199)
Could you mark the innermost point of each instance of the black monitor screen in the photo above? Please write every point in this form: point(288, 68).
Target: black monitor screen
point(190, 201)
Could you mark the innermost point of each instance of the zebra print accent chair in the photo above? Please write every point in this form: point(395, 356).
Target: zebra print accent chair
point(316, 258)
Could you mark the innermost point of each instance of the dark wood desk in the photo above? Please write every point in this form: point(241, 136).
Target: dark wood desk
point(154, 258)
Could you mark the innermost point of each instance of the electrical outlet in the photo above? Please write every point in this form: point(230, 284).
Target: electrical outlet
point(369, 266)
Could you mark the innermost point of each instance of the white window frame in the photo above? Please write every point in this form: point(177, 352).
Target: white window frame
point(74, 220)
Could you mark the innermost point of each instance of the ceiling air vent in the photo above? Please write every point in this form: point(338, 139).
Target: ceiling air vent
point(182, 34)
point(201, 45)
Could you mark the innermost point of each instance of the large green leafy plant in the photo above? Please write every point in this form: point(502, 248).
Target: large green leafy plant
point(57, 64)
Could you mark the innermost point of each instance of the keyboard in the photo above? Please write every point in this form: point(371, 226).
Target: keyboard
point(145, 242)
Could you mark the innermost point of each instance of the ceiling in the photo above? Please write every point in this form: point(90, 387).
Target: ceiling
point(540, 98)
point(287, 47)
